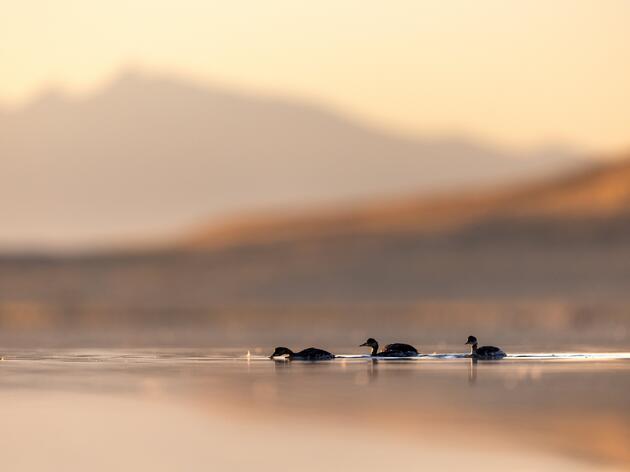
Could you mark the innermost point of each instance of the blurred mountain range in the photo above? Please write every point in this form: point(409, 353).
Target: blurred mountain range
point(560, 241)
point(562, 238)
point(146, 156)
point(532, 262)
point(589, 206)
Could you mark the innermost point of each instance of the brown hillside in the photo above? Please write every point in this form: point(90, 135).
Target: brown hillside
point(599, 193)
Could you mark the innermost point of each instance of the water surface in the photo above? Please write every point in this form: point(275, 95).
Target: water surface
point(177, 409)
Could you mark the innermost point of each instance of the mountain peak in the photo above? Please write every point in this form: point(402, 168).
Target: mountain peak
point(147, 155)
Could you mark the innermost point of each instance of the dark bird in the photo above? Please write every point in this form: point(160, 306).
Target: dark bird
point(310, 354)
point(391, 350)
point(484, 352)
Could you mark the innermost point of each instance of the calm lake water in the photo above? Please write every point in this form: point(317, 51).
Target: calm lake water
point(190, 410)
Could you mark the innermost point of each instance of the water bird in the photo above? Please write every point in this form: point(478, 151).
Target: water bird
point(310, 354)
point(391, 350)
point(484, 352)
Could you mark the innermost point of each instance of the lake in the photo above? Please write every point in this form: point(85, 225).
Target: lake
point(178, 409)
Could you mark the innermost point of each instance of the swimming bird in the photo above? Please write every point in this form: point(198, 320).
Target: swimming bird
point(484, 352)
point(310, 354)
point(391, 350)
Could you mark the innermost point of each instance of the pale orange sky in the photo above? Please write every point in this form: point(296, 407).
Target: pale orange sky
point(516, 73)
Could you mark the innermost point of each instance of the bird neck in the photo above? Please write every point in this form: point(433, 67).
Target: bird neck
point(473, 348)
point(375, 349)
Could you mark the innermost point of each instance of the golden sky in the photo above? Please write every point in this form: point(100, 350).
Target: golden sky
point(516, 73)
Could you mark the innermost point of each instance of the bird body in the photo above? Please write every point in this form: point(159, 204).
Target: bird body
point(309, 354)
point(391, 350)
point(484, 352)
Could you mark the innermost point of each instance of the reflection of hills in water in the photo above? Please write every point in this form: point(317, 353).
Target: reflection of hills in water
point(548, 262)
point(529, 406)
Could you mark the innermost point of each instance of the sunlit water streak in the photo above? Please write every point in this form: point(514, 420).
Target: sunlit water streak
point(525, 356)
point(170, 357)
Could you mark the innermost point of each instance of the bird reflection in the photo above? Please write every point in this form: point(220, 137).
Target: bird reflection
point(472, 371)
point(372, 371)
point(281, 366)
